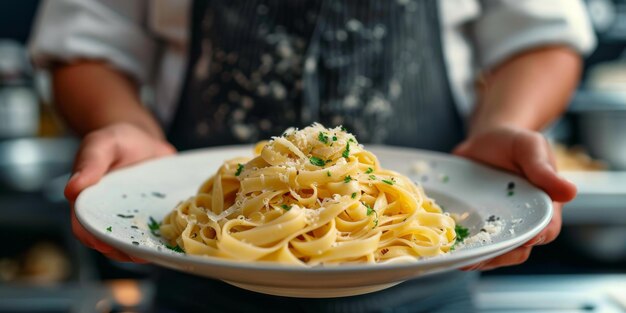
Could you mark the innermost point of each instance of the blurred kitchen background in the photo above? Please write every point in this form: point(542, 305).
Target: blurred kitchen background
point(44, 269)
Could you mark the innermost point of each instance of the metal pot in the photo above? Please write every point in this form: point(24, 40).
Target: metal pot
point(27, 165)
point(602, 125)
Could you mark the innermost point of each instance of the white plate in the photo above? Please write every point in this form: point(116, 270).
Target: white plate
point(153, 188)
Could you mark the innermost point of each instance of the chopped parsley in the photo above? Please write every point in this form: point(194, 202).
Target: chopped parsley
point(239, 169)
point(445, 178)
point(346, 153)
point(347, 179)
point(158, 194)
point(322, 137)
point(461, 233)
point(372, 177)
point(109, 229)
point(286, 207)
point(334, 138)
point(154, 227)
point(353, 195)
point(370, 211)
point(344, 129)
point(175, 248)
point(510, 187)
point(317, 161)
point(351, 140)
point(369, 170)
point(388, 182)
point(125, 216)
point(328, 173)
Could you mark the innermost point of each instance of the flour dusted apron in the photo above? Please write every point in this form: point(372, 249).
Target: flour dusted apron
point(257, 67)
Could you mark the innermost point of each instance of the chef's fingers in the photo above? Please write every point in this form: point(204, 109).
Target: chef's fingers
point(139, 149)
point(515, 257)
point(533, 156)
point(95, 156)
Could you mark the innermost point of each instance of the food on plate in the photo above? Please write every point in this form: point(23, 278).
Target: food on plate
point(310, 197)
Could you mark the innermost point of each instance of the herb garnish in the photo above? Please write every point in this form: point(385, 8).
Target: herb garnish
point(322, 137)
point(370, 211)
point(158, 194)
point(286, 207)
point(353, 195)
point(125, 216)
point(510, 187)
point(369, 170)
point(328, 173)
point(334, 138)
point(109, 229)
point(136, 243)
point(154, 227)
point(239, 169)
point(346, 153)
point(445, 178)
point(372, 177)
point(492, 218)
point(175, 248)
point(388, 182)
point(461, 233)
point(347, 179)
point(344, 129)
point(317, 161)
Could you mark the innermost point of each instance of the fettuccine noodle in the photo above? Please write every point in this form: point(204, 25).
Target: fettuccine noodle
point(310, 197)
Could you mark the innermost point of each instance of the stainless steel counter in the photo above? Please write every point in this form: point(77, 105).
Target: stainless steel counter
point(552, 293)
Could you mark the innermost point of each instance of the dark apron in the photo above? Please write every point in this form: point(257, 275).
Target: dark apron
point(257, 67)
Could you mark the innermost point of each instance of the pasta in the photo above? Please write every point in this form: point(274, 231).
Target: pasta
point(310, 197)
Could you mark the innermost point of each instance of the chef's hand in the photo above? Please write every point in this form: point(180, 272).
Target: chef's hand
point(104, 150)
point(528, 154)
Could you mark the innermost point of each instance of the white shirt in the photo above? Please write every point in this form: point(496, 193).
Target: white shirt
point(148, 39)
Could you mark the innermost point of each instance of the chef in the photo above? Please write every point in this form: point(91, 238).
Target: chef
point(479, 78)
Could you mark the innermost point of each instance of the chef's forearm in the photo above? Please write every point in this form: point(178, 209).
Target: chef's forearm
point(528, 91)
point(92, 95)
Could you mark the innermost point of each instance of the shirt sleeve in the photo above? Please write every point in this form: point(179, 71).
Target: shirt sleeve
point(110, 30)
point(507, 27)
